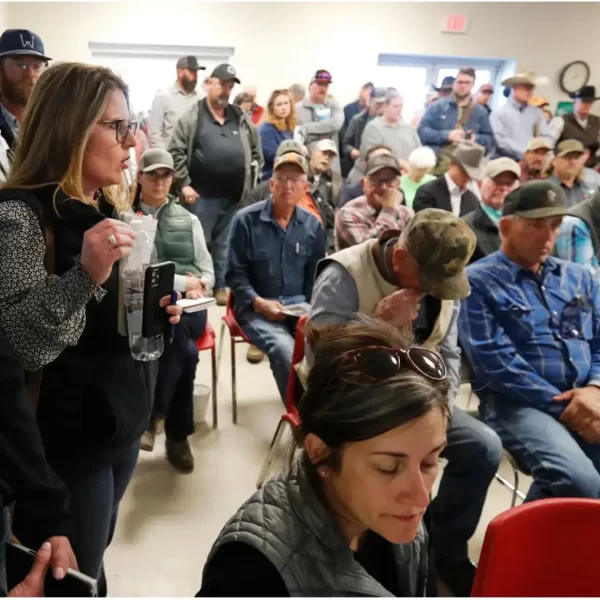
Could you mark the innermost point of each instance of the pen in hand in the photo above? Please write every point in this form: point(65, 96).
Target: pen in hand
point(172, 327)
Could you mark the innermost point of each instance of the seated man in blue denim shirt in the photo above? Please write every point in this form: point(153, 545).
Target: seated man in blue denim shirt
point(274, 248)
point(531, 328)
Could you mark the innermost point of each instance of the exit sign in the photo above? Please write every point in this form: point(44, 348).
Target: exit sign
point(455, 24)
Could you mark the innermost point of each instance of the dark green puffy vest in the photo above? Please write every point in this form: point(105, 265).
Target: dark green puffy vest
point(174, 239)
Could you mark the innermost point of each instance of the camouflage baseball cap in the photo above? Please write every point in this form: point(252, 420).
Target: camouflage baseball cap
point(442, 245)
point(536, 200)
point(290, 158)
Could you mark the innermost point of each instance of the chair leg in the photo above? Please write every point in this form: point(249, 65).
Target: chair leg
point(221, 337)
point(233, 383)
point(272, 455)
point(213, 356)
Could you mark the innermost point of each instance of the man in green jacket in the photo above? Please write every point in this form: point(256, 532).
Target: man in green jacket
point(217, 155)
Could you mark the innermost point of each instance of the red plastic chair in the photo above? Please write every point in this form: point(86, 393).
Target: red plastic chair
point(543, 548)
point(236, 336)
point(290, 417)
point(209, 342)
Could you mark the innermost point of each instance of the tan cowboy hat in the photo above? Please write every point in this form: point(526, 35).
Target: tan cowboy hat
point(524, 78)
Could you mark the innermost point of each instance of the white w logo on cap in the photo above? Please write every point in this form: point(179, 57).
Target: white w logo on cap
point(26, 44)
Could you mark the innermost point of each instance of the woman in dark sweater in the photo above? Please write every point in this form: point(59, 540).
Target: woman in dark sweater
point(279, 125)
point(347, 519)
point(93, 401)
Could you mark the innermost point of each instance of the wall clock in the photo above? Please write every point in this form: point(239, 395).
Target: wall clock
point(574, 76)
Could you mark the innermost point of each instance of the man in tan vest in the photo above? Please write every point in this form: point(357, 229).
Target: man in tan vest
point(416, 279)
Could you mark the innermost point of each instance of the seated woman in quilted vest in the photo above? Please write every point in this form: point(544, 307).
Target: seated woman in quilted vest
point(347, 518)
point(180, 239)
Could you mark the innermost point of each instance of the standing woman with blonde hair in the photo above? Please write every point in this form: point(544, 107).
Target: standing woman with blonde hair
point(278, 126)
point(60, 245)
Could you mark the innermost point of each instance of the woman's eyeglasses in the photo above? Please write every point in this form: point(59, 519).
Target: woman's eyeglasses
point(157, 175)
point(122, 128)
point(381, 362)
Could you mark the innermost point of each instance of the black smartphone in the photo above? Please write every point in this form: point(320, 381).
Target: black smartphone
point(159, 282)
point(19, 561)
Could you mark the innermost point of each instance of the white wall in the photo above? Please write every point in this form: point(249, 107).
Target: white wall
point(280, 44)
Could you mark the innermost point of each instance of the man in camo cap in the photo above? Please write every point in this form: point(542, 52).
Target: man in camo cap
point(415, 279)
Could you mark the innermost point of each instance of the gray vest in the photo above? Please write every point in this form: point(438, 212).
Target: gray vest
point(286, 521)
point(174, 238)
point(589, 213)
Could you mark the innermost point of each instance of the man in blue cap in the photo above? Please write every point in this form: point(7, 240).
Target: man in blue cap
point(22, 61)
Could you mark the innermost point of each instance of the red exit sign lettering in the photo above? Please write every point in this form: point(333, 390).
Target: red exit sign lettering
point(455, 24)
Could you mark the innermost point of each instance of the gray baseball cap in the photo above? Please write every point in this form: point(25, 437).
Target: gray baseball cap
point(502, 165)
point(190, 63)
point(156, 158)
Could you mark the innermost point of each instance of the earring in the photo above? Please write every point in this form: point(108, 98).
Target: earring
point(323, 472)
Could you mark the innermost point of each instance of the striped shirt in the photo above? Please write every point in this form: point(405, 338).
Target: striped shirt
point(575, 243)
point(531, 336)
point(358, 221)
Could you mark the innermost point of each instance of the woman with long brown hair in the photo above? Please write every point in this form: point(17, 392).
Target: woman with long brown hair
point(348, 517)
point(60, 299)
point(278, 126)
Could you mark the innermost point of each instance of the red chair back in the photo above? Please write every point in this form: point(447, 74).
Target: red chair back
point(543, 548)
point(297, 357)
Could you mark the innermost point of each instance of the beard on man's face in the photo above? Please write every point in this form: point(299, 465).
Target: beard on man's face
point(16, 93)
point(189, 85)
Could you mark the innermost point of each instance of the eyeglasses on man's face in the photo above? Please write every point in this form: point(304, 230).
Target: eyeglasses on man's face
point(295, 181)
point(122, 128)
point(36, 65)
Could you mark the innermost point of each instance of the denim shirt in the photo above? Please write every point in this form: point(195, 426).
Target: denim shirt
point(441, 118)
point(266, 261)
point(530, 337)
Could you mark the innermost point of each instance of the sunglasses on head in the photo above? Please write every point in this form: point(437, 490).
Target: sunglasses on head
point(381, 362)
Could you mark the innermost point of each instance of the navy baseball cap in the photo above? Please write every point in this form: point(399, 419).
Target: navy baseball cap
point(14, 42)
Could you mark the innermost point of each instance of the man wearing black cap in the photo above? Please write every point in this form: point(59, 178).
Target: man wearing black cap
point(319, 115)
point(217, 154)
point(531, 329)
point(580, 125)
point(168, 105)
point(22, 61)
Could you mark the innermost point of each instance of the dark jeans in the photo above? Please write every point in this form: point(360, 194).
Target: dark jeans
point(276, 340)
point(95, 502)
point(562, 464)
point(174, 394)
point(473, 453)
point(215, 215)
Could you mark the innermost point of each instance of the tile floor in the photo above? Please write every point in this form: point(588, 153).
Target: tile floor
point(168, 522)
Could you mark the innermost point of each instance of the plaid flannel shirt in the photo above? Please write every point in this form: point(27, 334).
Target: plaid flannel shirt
point(357, 221)
point(575, 243)
point(530, 337)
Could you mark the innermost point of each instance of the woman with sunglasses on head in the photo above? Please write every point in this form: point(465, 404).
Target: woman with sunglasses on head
point(60, 245)
point(347, 519)
point(278, 126)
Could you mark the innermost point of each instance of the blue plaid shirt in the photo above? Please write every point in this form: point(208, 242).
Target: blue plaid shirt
point(267, 261)
point(575, 243)
point(530, 337)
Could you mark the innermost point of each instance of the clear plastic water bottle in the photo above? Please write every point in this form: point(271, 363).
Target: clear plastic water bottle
point(133, 271)
point(144, 349)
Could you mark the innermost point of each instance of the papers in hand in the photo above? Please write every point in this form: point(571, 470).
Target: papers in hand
point(192, 306)
point(297, 310)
